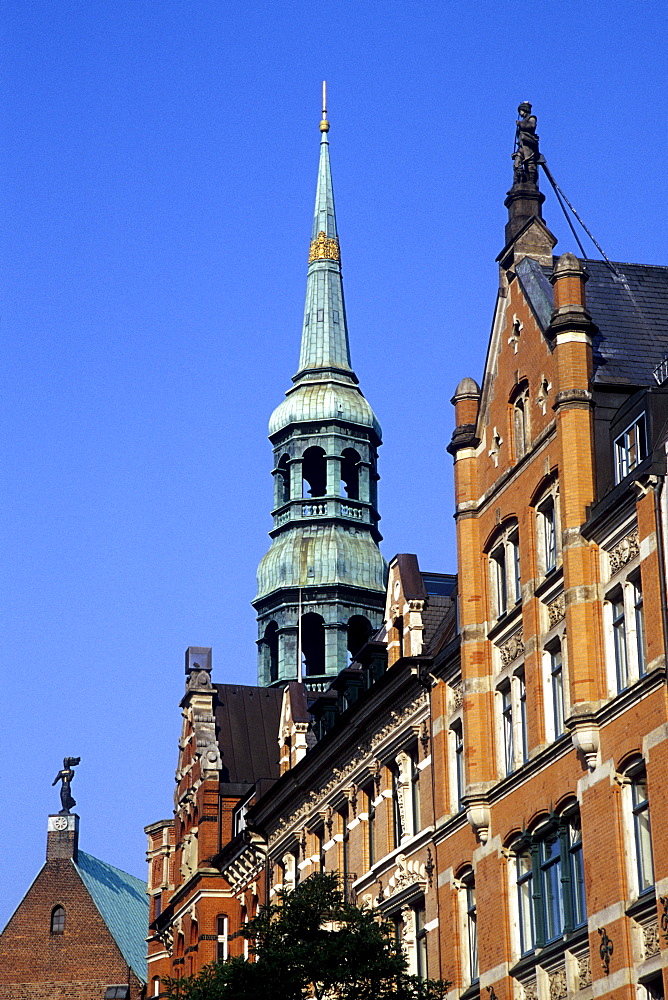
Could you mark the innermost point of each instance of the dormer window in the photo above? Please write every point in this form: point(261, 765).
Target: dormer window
point(630, 448)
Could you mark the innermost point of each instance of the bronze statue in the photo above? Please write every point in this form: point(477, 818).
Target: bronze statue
point(66, 776)
point(526, 156)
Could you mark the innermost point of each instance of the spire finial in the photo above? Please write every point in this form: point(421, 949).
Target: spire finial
point(324, 124)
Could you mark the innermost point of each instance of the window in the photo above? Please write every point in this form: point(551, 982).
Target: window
point(371, 823)
point(397, 822)
point(630, 448)
point(345, 853)
point(557, 684)
point(415, 791)
point(155, 983)
point(550, 880)
point(117, 992)
point(508, 741)
point(619, 638)
point(320, 839)
point(626, 621)
point(421, 939)
point(639, 616)
point(459, 763)
point(524, 883)
point(641, 831)
point(506, 582)
point(471, 926)
point(548, 532)
point(221, 938)
point(524, 733)
point(521, 435)
point(58, 920)
point(500, 582)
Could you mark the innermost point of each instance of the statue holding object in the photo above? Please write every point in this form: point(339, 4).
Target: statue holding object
point(66, 776)
point(526, 156)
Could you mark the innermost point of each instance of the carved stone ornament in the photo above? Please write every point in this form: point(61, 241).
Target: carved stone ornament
point(364, 758)
point(512, 648)
point(457, 695)
point(650, 938)
point(624, 551)
point(606, 948)
point(556, 610)
point(430, 867)
point(558, 984)
point(530, 990)
point(324, 248)
point(406, 873)
point(584, 971)
point(664, 917)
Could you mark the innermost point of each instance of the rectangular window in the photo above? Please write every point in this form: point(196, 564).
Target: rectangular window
point(642, 832)
point(640, 626)
point(472, 930)
point(397, 824)
point(459, 763)
point(549, 533)
point(320, 840)
point(221, 939)
point(500, 582)
point(345, 854)
point(619, 639)
point(557, 676)
point(415, 792)
point(558, 894)
point(523, 717)
point(421, 939)
point(630, 448)
point(371, 823)
point(517, 578)
point(576, 873)
point(524, 878)
point(508, 741)
point(551, 885)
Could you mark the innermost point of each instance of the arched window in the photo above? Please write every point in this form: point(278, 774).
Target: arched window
point(359, 630)
point(313, 644)
point(314, 473)
point(271, 650)
point(155, 983)
point(283, 480)
point(350, 473)
point(520, 405)
point(58, 920)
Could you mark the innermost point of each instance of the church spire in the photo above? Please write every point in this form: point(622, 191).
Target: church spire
point(321, 584)
point(324, 347)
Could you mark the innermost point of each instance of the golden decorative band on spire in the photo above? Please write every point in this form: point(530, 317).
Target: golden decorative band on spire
point(324, 247)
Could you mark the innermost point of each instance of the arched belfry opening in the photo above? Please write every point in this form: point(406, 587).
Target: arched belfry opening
point(313, 644)
point(271, 650)
point(314, 473)
point(283, 480)
point(350, 474)
point(359, 631)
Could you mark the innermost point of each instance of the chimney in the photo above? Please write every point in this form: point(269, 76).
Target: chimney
point(62, 839)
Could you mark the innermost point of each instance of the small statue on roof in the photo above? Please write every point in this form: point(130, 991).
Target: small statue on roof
point(526, 156)
point(66, 776)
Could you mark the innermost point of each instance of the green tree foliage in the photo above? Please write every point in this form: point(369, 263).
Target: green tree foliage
point(313, 944)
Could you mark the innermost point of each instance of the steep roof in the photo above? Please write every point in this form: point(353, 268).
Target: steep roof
point(247, 720)
point(629, 305)
point(123, 905)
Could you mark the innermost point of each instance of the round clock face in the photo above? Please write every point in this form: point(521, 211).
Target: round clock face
point(61, 823)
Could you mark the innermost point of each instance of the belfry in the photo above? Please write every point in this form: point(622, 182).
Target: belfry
point(321, 585)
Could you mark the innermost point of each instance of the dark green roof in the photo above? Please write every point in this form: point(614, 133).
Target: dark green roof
point(123, 905)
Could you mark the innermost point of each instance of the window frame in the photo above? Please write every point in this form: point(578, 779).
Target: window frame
point(559, 901)
point(623, 447)
point(59, 917)
point(642, 845)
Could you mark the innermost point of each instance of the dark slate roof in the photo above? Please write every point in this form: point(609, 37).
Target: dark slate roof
point(123, 905)
point(247, 720)
point(629, 305)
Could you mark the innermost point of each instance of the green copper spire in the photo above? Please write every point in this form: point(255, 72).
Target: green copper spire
point(324, 333)
point(321, 584)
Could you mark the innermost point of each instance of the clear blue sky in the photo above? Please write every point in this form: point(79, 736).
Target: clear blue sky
point(158, 164)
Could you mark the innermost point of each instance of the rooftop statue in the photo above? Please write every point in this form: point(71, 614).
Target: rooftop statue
point(66, 776)
point(526, 156)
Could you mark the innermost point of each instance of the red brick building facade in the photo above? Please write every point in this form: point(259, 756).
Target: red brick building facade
point(491, 768)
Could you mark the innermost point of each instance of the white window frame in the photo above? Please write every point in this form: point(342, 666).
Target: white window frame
point(625, 670)
point(548, 534)
point(555, 713)
point(638, 863)
point(624, 445)
point(222, 938)
point(505, 571)
point(512, 732)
